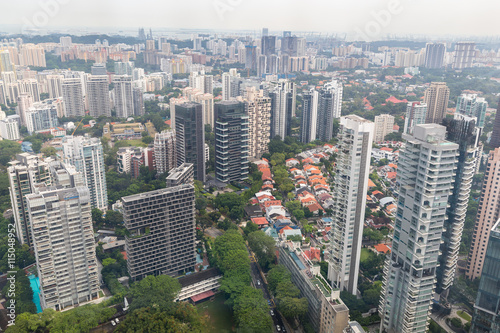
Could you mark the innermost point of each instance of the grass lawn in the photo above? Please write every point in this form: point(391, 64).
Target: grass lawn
point(365, 254)
point(132, 143)
point(219, 315)
point(464, 315)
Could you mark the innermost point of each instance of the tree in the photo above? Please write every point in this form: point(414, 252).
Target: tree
point(200, 203)
point(293, 307)
point(276, 275)
point(113, 218)
point(147, 139)
point(8, 149)
point(250, 227)
point(298, 213)
point(250, 310)
point(263, 246)
point(157, 292)
point(49, 151)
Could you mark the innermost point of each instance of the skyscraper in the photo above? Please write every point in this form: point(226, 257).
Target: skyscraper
point(465, 53)
point(473, 106)
point(434, 55)
point(487, 306)
point(329, 108)
point(436, 97)
point(138, 100)
point(25, 172)
point(231, 141)
point(72, 92)
point(190, 137)
point(98, 95)
point(495, 135)
point(87, 156)
point(24, 102)
point(410, 270)
point(351, 184)
point(268, 45)
point(462, 131)
point(164, 146)
point(41, 116)
point(54, 85)
point(309, 116)
point(416, 113)
point(161, 228)
point(487, 214)
point(9, 127)
point(63, 240)
point(258, 109)
point(251, 57)
point(6, 64)
point(124, 102)
point(231, 83)
point(383, 125)
point(282, 108)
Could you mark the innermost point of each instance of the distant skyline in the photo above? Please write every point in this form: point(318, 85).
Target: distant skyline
point(360, 19)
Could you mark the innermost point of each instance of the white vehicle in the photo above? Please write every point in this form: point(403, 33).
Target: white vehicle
point(258, 282)
point(272, 313)
point(278, 328)
point(113, 323)
point(117, 320)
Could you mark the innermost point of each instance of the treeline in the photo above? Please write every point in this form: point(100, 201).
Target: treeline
point(248, 304)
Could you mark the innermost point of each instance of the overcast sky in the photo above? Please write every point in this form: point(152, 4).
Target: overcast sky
point(436, 17)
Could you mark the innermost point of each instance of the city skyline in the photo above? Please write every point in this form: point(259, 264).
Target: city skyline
point(375, 19)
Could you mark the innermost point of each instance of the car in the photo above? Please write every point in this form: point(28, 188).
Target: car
point(278, 328)
point(258, 282)
point(113, 323)
point(117, 320)
point(272, 313)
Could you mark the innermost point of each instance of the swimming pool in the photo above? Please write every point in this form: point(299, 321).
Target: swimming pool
point(35, 286)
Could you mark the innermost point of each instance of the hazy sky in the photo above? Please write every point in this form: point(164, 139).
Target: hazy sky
point(372, 18)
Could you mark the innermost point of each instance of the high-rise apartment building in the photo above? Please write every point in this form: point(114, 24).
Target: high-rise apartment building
point(72, 92)
point(487, 307)
point(124, 67)
point(231, 141)
point(282, 96)
point(231, 83)
point(462, 131)
point(258, 109)
point(6, 64)
point(251, 56)
point(434, 55)
point(384, 125)
point(87, 156)
point(98, 95)
point(473, 106)
point(495, 135)
point(425, 178)
point(416, 113)
point(465, 53)
point(25, 172)
point(165, 157)
point(9, 128)
point(41, 116)
point(351, 184)
point(309, 116)
point(436, 97)
point(30, 87)
point(487, 214)
point(329, 108)
point(124, 101)
point(98, 69)
point(63, 240)
point(161, 224)
point(268, 45)
point(54, 85)
point(190, 137)
point(138, 100)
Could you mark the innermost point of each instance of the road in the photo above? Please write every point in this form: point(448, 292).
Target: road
point(259, 283)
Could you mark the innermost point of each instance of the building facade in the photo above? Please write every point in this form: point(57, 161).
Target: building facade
point(416, 113)
point(436, 97)
point(351, 184)
point(472, 106)
point(309, 116)
point(124, 98)
point(488, 213)
point(425, 178)
point(434, 55)
point(258, 108)
point(190, 137)
point(384, 125)
point(231, 141)
point(98, 95)
point(72, 92)
point(165, 156)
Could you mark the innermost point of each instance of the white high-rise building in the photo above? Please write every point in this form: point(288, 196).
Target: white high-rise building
point(309, 116)
point(173, 103)
point(24, 102)
point(63, 240)
point(258, 108)
point(87, 156)
point(351, 184)
point(9, 128)
point(31, 87)
point(165, 157)
point(329, 108)
point(383, 126)
point(54, 85)
point(41, 116)
point(98, 95)
point(72, 92)
point(426, 172)
point(282, 108)
point(416, 113)
point(231, 83)
point(124, 104)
